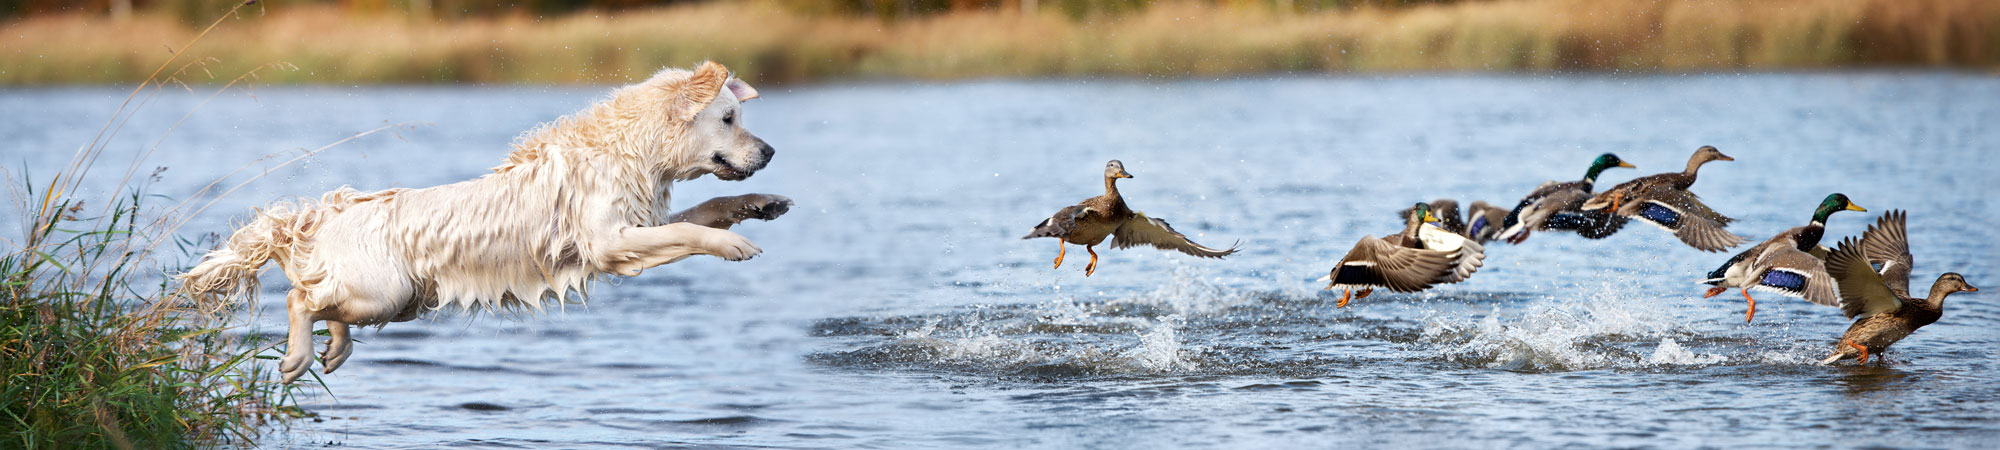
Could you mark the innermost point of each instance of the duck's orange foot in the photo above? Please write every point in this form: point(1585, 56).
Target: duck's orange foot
point(1365, 292)
point(1714, 291)
point(1092, 268)
point(1345, 295)
point(1059, 253)
point(1753, 306)
point(1863, 358)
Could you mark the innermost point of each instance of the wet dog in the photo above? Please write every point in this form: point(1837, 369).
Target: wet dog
point(578, 198)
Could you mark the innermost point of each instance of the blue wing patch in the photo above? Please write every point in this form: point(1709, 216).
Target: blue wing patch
point(1784, 280)
point(1662, 215)
point(1477, 225)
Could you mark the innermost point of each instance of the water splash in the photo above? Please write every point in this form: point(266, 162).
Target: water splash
point(1671, 353)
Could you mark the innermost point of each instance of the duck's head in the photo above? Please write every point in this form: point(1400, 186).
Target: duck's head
point(1422, 212)
point(1605, 161)
point(1952, 282)
point(1833, 203)
point(1115, 169)
point(1708, 153)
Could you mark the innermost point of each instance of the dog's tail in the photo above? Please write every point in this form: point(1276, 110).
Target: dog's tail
point(229, 273)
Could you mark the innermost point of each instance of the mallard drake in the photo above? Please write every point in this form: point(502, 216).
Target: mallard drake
point(1411, 261)
point(1089, 222)
point(1790, 263)
point(1664, 201)
point(1553, 206)
point(1446, 211)
point(1880, 301)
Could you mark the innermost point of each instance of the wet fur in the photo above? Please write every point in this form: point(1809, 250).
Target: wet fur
point(578, 198)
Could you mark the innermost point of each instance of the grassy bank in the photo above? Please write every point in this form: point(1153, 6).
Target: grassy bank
point(775, 44)
point(91, 361)
point(97, 349)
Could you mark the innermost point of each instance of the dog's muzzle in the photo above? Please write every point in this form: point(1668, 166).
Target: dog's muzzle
point(726, 171)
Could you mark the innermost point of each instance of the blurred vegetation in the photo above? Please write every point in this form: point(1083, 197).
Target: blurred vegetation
point(97, 348)
point(615, 41)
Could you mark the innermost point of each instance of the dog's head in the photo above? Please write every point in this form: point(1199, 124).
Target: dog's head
point(709, 103)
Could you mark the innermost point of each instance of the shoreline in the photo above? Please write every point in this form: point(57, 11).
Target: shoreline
point(320, 45)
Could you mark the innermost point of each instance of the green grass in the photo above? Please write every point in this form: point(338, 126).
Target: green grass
point(97, 349)
point(92, 360)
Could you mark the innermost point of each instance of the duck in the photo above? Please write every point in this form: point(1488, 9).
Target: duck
point(1419, 257)
point(1089, 222)
point(1664, 201)
point(1446, 211)
point(1790, 263)
point(1554, 206)
point(1879, 300)
point(1482, 221)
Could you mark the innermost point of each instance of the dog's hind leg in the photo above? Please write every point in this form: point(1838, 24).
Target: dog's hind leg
point(298, 341)
point(338, 348)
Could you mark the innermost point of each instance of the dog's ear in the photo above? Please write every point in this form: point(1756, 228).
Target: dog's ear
point(742, 90)
point(699, 90)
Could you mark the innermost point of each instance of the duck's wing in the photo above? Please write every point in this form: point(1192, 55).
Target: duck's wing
point(1058, 225)
point(1669, 210)
point(1862, 292)
point(1627, 189)
point(1886, 245)
point(1466, 256)
point(1141, 230)
point(1534, 211)
point(1786, 270)
point(1376, 262)
point(1483, 221)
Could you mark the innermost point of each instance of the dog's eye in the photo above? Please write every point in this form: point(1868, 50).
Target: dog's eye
point(729, 119)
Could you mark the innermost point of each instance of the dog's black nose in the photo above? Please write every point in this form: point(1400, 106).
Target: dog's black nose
point(768, 151)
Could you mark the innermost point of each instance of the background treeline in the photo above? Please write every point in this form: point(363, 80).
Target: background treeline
point(200, 10)
point(615, 41)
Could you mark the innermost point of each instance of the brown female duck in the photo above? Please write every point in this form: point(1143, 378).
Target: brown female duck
point(1880, 298)
point(1096, 218)
point(1664, 201)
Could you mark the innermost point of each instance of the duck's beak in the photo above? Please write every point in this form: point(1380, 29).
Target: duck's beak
point(1853, 207)
point(1627, 165)
point(1721, 157)
point(1969, 288)
point(1124, 174)
point(1429, 218)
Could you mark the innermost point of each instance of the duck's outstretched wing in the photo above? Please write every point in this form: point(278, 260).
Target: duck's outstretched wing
point(1376, 262)
point(1862, 292)
point(1466, 255)
point(1886, 244)
point(1142, 230)
point(1672, 211)
point(1786, 270)
point(1058, 225)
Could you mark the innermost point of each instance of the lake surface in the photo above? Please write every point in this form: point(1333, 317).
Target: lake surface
point(896, 306)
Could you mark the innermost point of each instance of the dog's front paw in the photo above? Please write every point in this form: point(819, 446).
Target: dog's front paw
point(762, 206)
point(730, 246)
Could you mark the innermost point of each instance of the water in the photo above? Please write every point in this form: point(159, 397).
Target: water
point(896, 307)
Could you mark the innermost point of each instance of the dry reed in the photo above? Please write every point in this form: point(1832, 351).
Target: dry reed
point(1173, 39)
